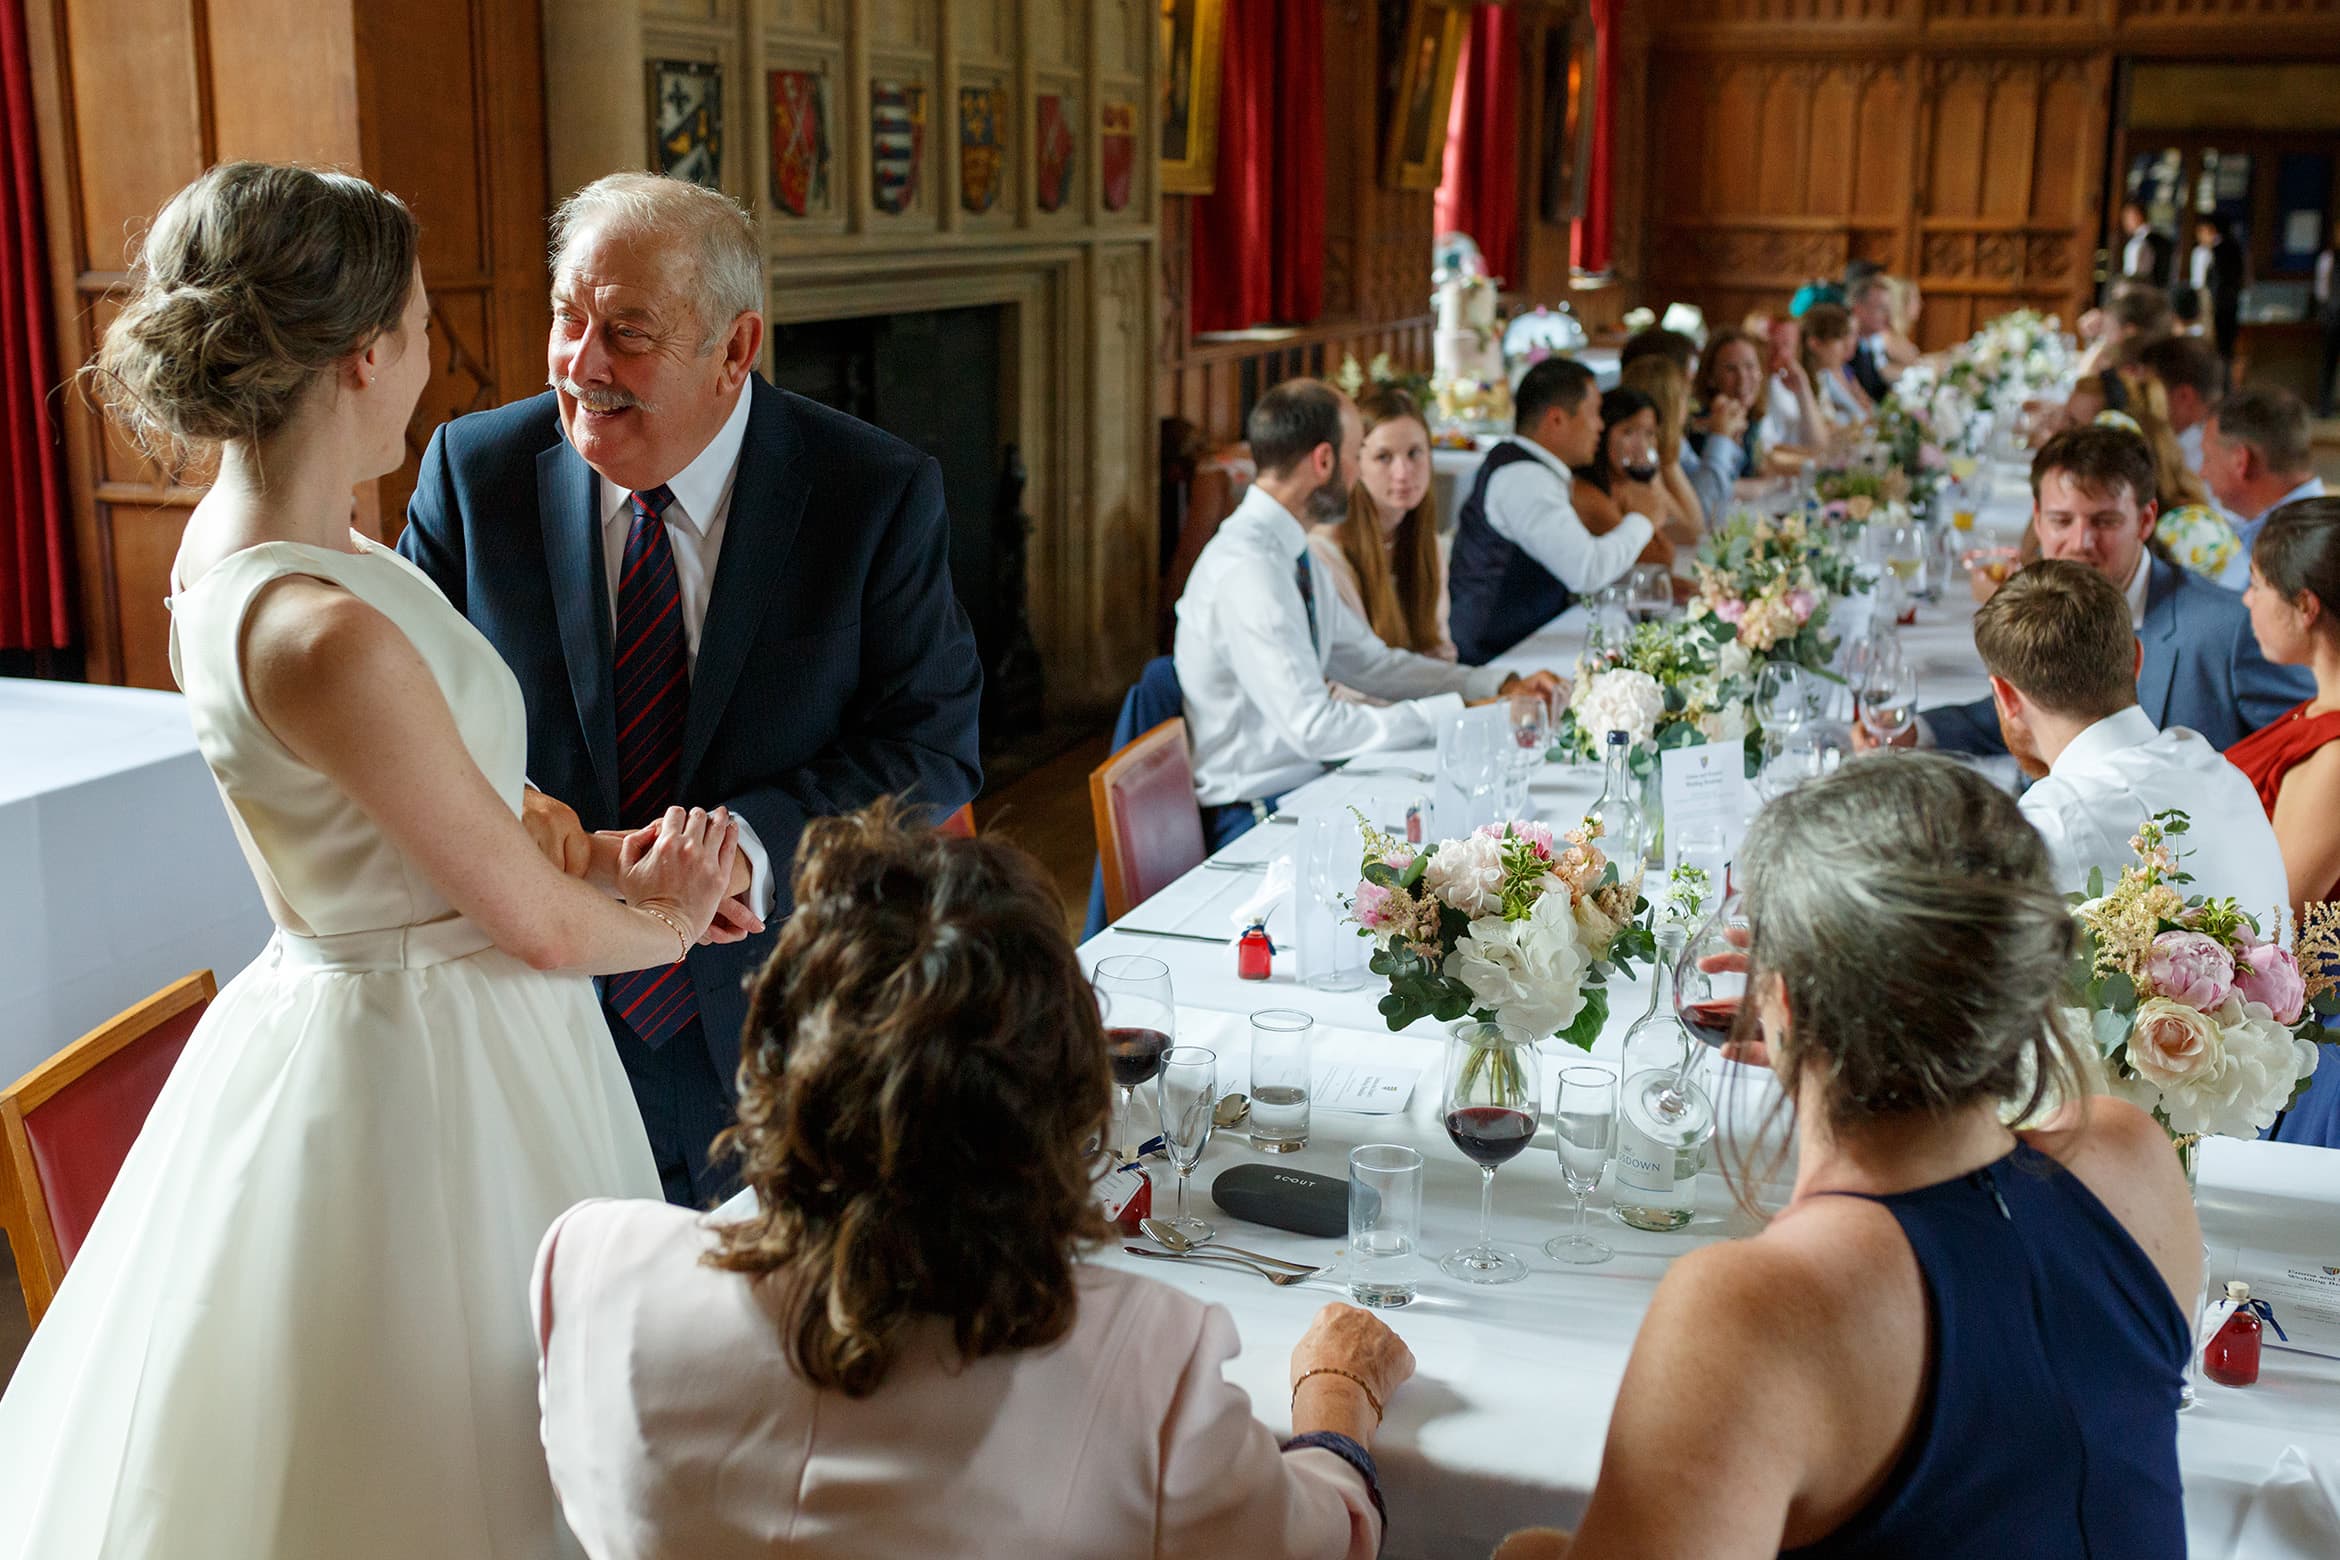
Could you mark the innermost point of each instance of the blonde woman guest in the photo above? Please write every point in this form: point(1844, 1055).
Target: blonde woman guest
point(1903, 305)
point(1791, 418)
point(2138, 397)
point(1384, 557)
point(1668, 389)
point(1956, 1340)
point(898, 1350)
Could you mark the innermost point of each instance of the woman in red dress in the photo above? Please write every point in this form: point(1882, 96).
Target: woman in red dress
point(2294, 598)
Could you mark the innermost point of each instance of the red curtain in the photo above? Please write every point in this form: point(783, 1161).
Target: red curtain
point(1258, 237)
point(36, 550)
point(1592, 239)
point(1478, 190)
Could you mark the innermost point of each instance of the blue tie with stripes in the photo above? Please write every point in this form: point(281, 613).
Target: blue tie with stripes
point(653, 695)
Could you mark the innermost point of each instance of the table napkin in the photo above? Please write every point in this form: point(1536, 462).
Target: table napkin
point(2295, 1511)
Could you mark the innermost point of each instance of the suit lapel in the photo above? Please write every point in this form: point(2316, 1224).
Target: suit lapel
point(565, 494)
point(2159, 634)
point(767, 503)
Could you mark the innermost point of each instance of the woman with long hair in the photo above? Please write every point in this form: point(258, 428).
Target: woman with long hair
point(1623, 477)
point(1827, 349)
point(898, 1349)
point(1384, 556)
point(1956, 1339)
point(1668, 388)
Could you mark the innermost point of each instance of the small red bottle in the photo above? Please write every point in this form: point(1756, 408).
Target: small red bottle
point(2231, 1358)
point(1253, 953)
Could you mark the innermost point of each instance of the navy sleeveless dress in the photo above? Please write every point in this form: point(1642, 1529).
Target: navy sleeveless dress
point(2049, 1422)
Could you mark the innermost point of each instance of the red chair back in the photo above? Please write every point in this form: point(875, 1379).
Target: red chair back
point(961, 824)
point(1149, 826)
point(66, 1127)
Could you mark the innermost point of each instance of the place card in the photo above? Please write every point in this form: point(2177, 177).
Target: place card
point(2303, 1292)
point(1705, 787)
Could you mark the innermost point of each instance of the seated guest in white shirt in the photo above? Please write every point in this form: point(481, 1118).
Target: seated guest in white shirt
point(2257, 456)
point(897, 1350)
point(2187, 367)
point(1522, 554)
point(2063, 662)
point(1260, 632)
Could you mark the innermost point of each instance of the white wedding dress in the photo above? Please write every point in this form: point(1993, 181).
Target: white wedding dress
point(299, 1328)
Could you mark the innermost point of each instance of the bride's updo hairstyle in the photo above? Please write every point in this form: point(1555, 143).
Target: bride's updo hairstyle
point(253, 281)
point(922, 1071)
point(1910, 911)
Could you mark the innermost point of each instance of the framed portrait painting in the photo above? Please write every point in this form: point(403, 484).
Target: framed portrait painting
point(1190, 95)
point(1570, 86)
point(1427, 53)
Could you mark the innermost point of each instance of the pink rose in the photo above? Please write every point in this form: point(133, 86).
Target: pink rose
point(1730, 610)
point(2268, 974)
point(1930, 456)
point(1801, 603)
point(1538, 836)
point(2190, 968)
point(1372, 905)
point(2173, 1044)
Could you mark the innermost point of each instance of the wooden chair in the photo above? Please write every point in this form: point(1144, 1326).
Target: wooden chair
point(1149, 826)
point(66, 1126)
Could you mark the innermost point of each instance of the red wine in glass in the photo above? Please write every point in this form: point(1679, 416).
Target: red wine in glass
point(1490, 1134)
point(1135, 1054)
point(1710, 1021)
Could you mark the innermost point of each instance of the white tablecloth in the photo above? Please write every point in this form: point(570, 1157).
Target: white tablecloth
point(121, 871)
point(1504, 1423)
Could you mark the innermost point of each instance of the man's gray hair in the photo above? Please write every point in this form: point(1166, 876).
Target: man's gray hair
point(728, 280)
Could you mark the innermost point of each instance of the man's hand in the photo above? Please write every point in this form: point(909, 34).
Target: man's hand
point(1544, 684)
point(1864, 742)
point(734, 921)
point(553, 825)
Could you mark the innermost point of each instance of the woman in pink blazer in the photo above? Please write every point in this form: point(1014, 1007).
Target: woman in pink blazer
point(901, 1353)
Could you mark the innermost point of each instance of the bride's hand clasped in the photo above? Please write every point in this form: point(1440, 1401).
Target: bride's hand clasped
point(681, 863)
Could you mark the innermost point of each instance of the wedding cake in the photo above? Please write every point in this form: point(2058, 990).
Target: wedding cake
point(1468, 375)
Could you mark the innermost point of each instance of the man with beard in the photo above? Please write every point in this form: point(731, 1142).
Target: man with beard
point(1259, 634)
point(1522, 554)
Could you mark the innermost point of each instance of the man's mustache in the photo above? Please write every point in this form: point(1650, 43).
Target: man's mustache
point(601, 398)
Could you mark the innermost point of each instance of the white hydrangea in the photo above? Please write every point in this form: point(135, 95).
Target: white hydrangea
point(1468, 875)
point(1620, 700)
point(1529, 973)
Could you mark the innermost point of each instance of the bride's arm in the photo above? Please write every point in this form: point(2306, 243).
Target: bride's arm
point(346, 692)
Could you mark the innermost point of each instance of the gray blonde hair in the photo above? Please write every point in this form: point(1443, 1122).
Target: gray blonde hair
point(727, 278)
point(1908, 910)
point(251, 284)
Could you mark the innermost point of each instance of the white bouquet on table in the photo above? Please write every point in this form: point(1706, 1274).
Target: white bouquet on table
point(1514, 925)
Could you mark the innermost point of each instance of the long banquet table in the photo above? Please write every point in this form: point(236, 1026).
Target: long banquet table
point(1503, 1423)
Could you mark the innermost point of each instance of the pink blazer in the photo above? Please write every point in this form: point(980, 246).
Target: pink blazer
point(676, 1428)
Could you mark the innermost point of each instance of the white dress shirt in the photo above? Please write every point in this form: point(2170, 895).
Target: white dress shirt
point(2140, 584)
point(2189, 443)
point(2121, 771)
point(2136, 257)
point(1783, 417)
point(2199, 267)
point(1259, 716)
point(2323, 282)
point(1531, 504)
point(694, 533)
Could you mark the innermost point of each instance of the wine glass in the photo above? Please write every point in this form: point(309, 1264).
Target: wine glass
point(1531, 738)
point(1490, 1113)
point(1785, 696)
point(1793, 757)
point(1473, 756)
point(1902, 549)
point(1650, 591)
point(1587, 1122)
point(1328, 863)
point(1134, 993)
point(1610, 617)
point(1710, 977)
point(1879, 651)
point(1705, 847)
point(1889, 695)
point(1187, 1092)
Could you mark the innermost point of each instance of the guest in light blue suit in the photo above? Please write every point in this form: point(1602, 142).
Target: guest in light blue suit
point(2093, 502)
point(2258, 454)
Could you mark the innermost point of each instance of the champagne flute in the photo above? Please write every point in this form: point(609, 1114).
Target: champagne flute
point(1140, 1021)
point(1587, 1122)
point(1531, 739)
point(1187, 1092)
point(1490, 1113)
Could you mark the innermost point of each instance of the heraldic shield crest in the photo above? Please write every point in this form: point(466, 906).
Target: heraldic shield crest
point(897, 130)
point(982, 145)
point(686, 118)
point(800, 142)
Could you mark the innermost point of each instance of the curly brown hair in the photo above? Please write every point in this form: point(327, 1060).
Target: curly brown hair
point(922, 1071)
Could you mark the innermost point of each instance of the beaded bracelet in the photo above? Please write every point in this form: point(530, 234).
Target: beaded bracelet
point(1335, 1370)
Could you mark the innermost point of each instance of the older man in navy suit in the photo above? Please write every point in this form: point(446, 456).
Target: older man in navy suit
point(2093, 502)
point(712, 592)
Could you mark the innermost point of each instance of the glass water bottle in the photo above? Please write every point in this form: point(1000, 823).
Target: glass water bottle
point(1664, 1111)
point(1624, 827)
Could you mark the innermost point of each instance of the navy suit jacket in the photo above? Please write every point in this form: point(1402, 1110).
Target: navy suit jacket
point(835, 666)
point(2201, 669)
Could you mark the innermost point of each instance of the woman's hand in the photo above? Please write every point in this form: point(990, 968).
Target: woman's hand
point(683, 862)
point(1344, 1338)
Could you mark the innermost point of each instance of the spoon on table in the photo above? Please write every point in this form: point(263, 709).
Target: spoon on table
point(1170, 1235)
point(1231, 1109)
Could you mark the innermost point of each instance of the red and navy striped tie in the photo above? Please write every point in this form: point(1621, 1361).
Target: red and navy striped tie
point(653, 689)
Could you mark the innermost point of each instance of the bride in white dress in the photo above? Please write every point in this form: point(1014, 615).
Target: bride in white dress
point(300, 1326)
